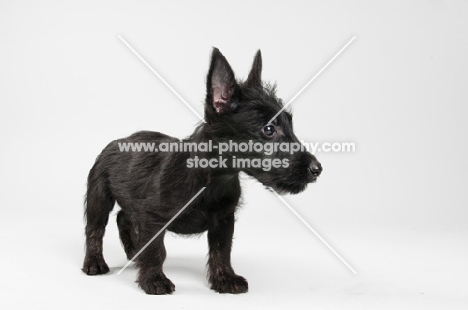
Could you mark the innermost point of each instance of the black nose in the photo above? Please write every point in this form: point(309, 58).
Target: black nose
point(315, 168)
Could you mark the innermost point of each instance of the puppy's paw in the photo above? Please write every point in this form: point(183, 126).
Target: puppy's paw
point(157, 286)
point(95, 267)
point(231, 284)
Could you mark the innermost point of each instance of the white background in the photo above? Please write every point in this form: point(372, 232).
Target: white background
point(396, 209)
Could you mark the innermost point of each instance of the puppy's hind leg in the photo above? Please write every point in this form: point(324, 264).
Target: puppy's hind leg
point(128, 233)
point(99, 203)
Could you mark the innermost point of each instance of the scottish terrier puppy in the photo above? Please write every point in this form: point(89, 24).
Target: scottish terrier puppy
point(152, 187)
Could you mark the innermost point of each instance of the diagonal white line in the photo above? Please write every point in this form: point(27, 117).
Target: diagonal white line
point(312, 79)
point(161, 78)
point(313, 230)
point(159, 232)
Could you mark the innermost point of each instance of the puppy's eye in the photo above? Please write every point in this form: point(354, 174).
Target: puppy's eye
point(269, 130)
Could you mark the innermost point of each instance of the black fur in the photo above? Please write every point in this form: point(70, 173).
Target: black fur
point(151, 187)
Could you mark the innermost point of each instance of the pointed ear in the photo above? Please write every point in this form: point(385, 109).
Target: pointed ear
point(221, 82)
point(255, 75)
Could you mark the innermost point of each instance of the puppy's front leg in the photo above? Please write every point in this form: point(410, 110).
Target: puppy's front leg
point(221, 275)
point(151, 277)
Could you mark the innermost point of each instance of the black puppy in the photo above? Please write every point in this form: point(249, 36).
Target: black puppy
point(151, 187)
